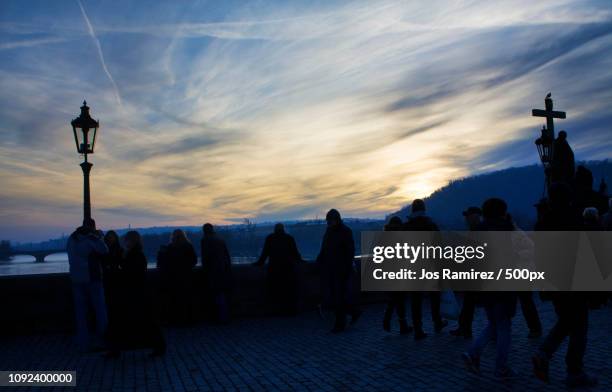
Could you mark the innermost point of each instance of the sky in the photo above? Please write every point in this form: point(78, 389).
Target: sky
point(217, 111)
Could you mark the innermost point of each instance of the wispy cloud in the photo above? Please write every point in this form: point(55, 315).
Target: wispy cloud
point(30, 43)
point(96, 41)
point(284, 109)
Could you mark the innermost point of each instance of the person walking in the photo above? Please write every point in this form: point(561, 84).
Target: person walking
point(472, 217)
point(572, 308)
point(419, 221)
point(524, 248)
point(500, 307)
point(397, 299)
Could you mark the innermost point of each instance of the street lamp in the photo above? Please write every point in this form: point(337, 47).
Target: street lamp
point(544, 144)
point(85, 129)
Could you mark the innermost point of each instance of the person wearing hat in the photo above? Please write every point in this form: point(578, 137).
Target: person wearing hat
point(472, 216)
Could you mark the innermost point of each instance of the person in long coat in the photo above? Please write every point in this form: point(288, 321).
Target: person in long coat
point(175, 263)
point(280, 248)
point(217, 266)
point(113, 285)
point(85, 247)
point(336, 259)
point(140, 326)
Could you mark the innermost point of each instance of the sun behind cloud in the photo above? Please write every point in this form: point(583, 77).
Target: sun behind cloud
point(282, 110)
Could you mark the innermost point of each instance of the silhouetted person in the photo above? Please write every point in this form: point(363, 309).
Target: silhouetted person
point(397, 299)
point(524, 248)
point(472, 217)
point(84, 248)
point(217, 266)
point(336, 259)
point(141, 327)
point(280, 248)
point(419, 221)
point(175, 263)
point(584, 194)
point(113, 286)
point(571, 307)
point(563, 166)
point(500, 307)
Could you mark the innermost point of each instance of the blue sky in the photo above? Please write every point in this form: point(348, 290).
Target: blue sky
point(219, 111)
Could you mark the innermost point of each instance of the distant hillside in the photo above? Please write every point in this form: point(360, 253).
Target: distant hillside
point(520, 187)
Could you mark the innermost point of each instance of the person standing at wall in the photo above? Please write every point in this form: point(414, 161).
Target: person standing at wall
point(175, 263)
point(113, 287)
point(85, 247)
point(141, 325)
point(217, 266)
point(336, 259)
point(280, 248)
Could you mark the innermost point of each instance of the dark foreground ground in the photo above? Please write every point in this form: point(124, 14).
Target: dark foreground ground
point(300, 354)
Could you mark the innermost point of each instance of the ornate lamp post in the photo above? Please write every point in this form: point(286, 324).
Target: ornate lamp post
point(85, 128)
point(544, 144)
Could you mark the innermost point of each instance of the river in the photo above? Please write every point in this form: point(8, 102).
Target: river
point(58, 263)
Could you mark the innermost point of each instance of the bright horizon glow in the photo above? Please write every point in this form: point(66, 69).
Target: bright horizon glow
point(275, 111)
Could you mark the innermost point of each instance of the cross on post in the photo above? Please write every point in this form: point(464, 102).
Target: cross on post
point(549, 113)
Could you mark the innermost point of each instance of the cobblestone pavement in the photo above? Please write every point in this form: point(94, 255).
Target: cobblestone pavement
point(300, 354)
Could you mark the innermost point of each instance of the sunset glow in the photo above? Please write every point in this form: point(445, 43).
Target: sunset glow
point(281, 110)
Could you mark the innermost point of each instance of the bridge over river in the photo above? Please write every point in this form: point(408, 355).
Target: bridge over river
point(39, 255)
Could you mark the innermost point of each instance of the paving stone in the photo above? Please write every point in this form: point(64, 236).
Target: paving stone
point(300, 354)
